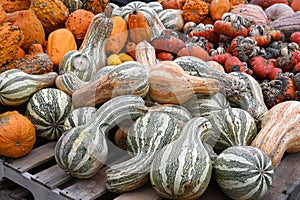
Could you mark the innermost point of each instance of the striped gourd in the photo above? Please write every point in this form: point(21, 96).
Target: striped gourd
point(231, 127)
point(172, 19)
point(156, 6)
point(280, 131)
point(83, 150)
point(178, 112)
point(48, 109)
point(69, 82)
point(241, 89)
point(243, 172)
point(251, 99)
point(183, 168)
point(145, 137)
point(204, 105)
point(126, 78)
point(17, 87)
point(91, 55)
point(145, 54)
point(78, 117)
point(151, 16)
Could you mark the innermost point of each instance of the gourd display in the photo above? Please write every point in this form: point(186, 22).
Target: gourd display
point(148, 134)
point(78, 117)
point(48, 110)
point(17, 134)
point(17, 87)
point(280, 131)
point(91, 55)
point(244, 172)
point(90, 140)
point(182, 169)
point(126, 78)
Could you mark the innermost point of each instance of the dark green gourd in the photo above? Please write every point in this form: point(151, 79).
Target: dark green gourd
point(146, 136)
point(183, 168)
point(82, 150)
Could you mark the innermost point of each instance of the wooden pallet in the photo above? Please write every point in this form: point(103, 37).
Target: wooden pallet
point(38, 173)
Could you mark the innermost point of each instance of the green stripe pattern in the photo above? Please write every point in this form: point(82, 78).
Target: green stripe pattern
point(244, 172)
point(231, 127)
point(17, 87)
point(48, 109)
point(146, 136)
point(183, 168)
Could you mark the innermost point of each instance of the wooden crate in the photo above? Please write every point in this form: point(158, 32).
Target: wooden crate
point(38, 173)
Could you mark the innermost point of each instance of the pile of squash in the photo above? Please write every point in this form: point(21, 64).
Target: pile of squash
point(187, 88)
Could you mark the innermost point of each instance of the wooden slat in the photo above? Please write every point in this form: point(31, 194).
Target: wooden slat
point(286, 180)
point(36, 157)
point(144, 193)
point(87, 189)
point(18, 193)
point(51, 177)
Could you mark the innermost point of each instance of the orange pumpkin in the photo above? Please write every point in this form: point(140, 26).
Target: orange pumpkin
point(118, 36)
point(295, 4)
point(17, 134)
point(59, 43)
point(139, 29)
point(195, 11)
point(218, 8)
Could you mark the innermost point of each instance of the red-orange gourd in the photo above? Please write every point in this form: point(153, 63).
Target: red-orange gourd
point(17, 134)
point(218, 8)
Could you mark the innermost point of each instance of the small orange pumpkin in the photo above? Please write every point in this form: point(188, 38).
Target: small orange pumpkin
point(139, 29)
point(195, 11)
point(17, 134)
point(59, 43)
point(118, 36)
point(218, 8)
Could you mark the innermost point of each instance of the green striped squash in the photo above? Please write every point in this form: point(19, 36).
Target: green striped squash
point(69, 82)
point(156, 6)
point(17, 87)
point(204, 105)
point(82, 150)
point(48, 109)
point(78, 117)
point(148, 134)
point(244, 172)
point(172, 19)
point(178, 112)
point(231, 127)
point(183, 168)
point(91, 55)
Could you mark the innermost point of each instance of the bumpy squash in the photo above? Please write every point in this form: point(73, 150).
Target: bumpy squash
point(30, 25)
point(244, 172)
point(280, 131)
point(59, 43)
point(17, 87)
point(17, 135)
point(48, 110)
point(51, 13)
point(182, 169)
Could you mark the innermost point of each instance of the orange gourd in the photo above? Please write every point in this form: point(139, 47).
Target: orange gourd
point(59, 43)
point(118, 36)
point(17, 134)
point(295, 4)
point(195, 11)
point(139, 29)
point(218, 8)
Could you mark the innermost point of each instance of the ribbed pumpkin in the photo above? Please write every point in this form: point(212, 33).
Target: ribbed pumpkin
point(48, 110)
point(17, 135)
point(244, 172)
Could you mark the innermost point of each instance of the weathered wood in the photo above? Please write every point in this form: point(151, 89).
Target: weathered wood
point(36, 157)
point(286, 180)
point(19, 193)
point(144, 193)
point(51, 177)
point(88, 188)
